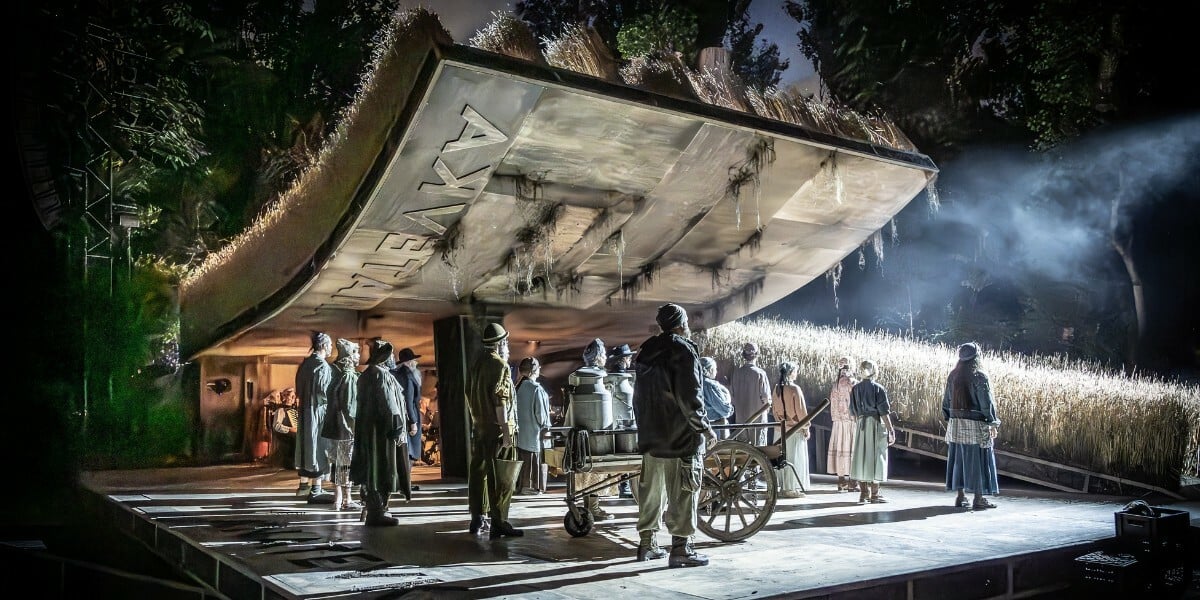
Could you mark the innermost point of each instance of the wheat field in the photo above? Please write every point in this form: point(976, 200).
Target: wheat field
point(1072, 412)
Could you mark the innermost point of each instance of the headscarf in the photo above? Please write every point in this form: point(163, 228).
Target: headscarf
point(708, 364)
point(347, 354)
point(593, 351)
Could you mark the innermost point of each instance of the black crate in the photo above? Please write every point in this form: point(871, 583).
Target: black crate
point(1100, 570)
point(1164, 533)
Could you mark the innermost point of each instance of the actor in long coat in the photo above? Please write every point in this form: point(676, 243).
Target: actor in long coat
point(339, 421)
point(410, 381)
point(491, 399)
point(312, 387)
point(380, 422)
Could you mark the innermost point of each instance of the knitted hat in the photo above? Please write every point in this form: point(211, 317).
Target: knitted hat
point(968, 351)
point(671, 316)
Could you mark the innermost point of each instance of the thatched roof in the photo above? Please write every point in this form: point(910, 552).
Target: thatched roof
point(469, 181)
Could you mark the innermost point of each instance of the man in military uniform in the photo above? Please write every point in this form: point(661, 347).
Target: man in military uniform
point(491, 399)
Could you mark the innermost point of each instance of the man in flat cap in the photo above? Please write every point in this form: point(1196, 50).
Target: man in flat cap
point(313, 380)
point(673, 432)
point(491, 399)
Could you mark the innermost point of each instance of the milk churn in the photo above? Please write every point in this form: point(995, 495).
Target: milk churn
point(591, 407)
point(620, 385)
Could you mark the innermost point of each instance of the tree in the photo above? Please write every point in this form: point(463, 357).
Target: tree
point(1042, 74)
point(655, 25)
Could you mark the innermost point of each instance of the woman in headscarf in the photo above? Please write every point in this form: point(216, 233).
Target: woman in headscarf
point(594, 357)
point(872, 435)
point(972, 425)
point(338, 427)
point(789, 409)
point(841, 437)
point(378, 427)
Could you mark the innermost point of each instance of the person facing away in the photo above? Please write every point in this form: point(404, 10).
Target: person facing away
point(378, 427)
point(971, 428)
point(339, 422)
point(533, 418)
point(672, 435)
point(841, 436)
point(717, 405)
point(312, 388)
point(491, 401)
point(409, 376)
point(750, 391)
point(789, 411)
point(594, 357)
point(873, 433)
point(619, 382)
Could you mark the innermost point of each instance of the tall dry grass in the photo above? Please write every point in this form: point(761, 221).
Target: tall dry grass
point(1072, 412)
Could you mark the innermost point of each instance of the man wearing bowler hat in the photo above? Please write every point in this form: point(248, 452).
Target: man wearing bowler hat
point(410, 381)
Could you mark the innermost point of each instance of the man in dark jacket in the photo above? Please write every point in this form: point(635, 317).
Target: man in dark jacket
point(378, 426)
point(672, 434)
point(410, 381)
point(313, 379)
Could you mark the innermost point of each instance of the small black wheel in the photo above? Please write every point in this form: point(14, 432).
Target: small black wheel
point(578, 521)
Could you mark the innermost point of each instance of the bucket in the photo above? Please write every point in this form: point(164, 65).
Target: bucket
point(591, 407)
point(626, 442)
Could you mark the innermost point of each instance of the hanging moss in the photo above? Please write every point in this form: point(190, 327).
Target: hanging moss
point(642, 281)
point(759, 156)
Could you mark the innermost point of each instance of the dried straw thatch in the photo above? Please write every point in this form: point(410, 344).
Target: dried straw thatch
point(305, 213)
point(509, 36)
point(662, 74)
point(579, 48)
point(1065, 411)
point(795, 108)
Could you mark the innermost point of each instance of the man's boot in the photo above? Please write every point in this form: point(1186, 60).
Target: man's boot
point(592, 503)
point(648, 549)
point(684, 555)
point(377, 514)
point(504, 528)
point(476, 524)
point(303, 490)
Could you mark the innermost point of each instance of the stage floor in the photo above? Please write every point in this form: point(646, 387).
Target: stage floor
point(241, 531)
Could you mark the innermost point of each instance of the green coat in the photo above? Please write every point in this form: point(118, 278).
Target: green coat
point(490, 388)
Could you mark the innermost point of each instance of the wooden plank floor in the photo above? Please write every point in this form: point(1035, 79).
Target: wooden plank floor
point(240, 530)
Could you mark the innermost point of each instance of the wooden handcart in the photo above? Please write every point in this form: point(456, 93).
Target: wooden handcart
point(738, 485)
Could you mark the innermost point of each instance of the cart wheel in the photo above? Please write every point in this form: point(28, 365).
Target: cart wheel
point(737, 493)
point(578, 521)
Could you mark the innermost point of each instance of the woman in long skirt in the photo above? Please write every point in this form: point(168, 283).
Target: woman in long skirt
point(789, 410)
point(970, 412)
point(873, 434)
point(841, 437)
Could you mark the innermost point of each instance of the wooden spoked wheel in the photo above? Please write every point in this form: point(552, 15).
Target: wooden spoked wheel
point(737, 491)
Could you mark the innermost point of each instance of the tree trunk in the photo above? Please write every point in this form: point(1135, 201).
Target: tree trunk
point(1121, 239)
